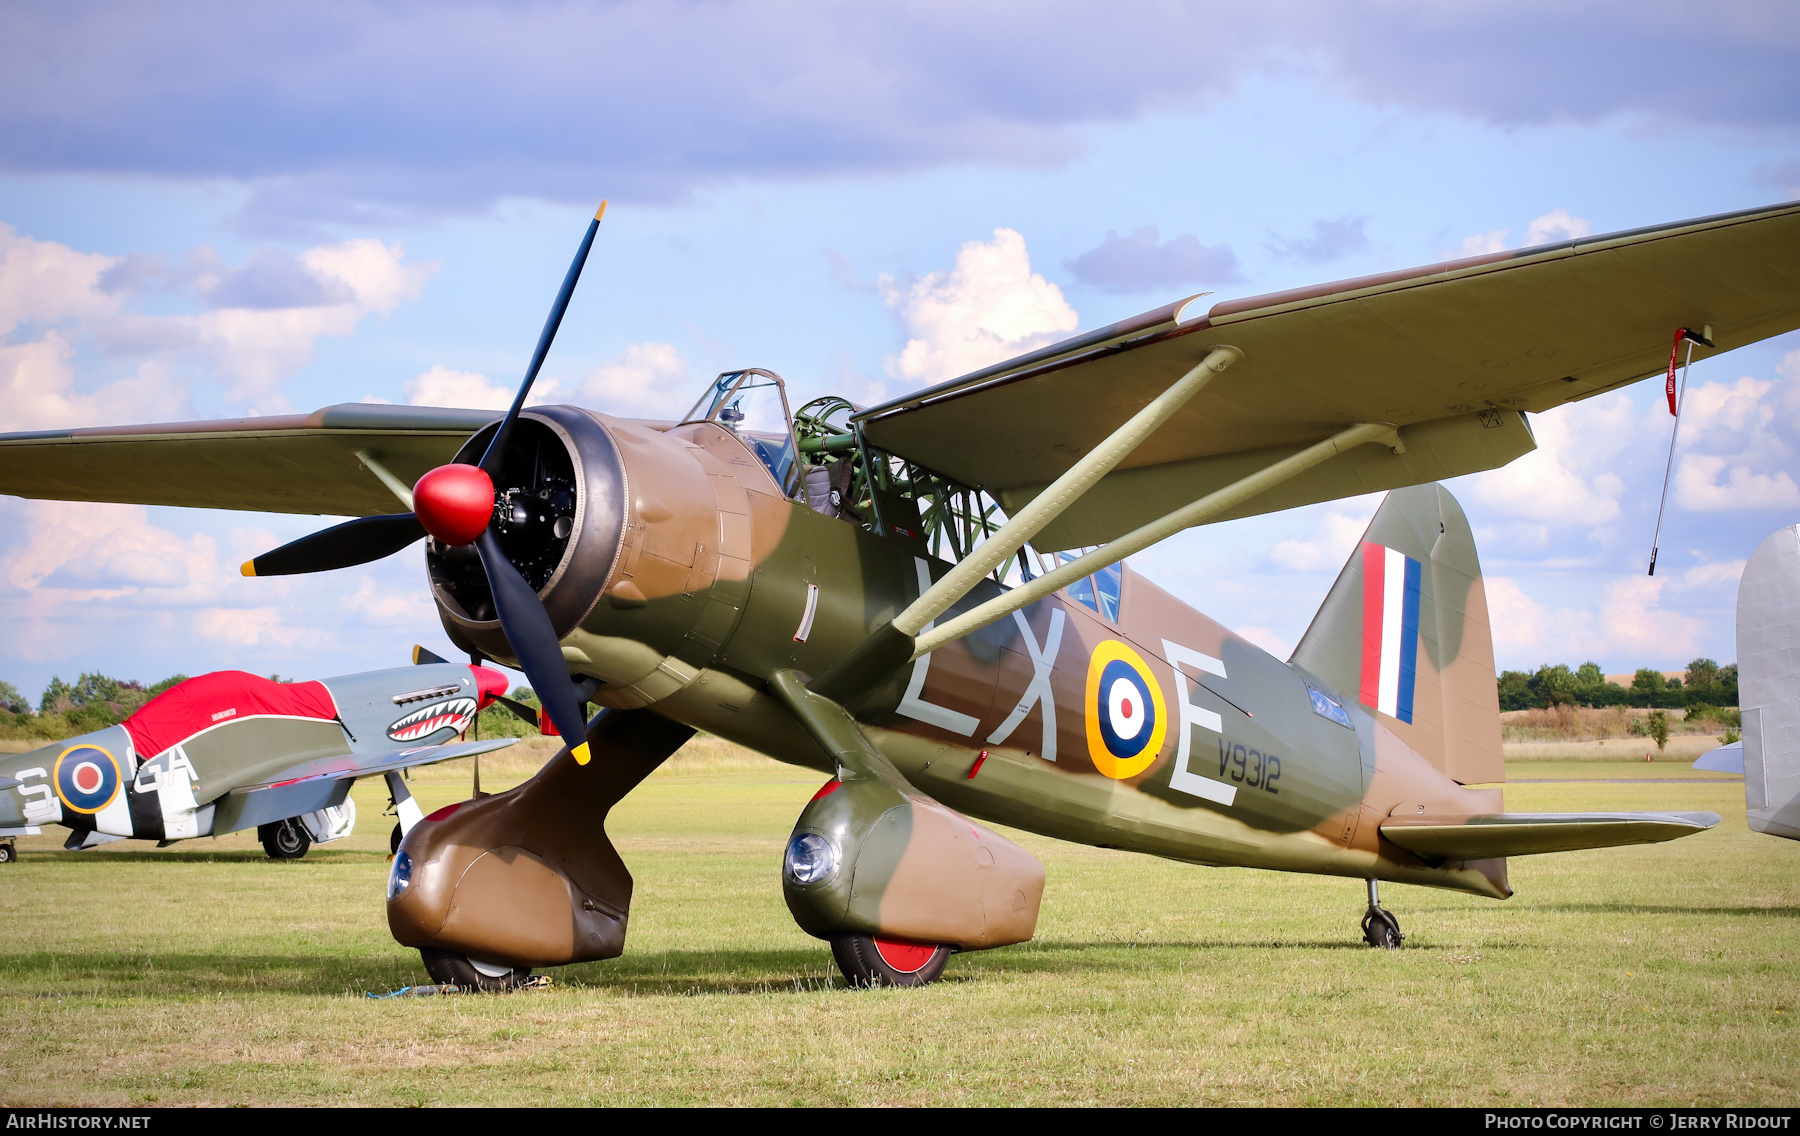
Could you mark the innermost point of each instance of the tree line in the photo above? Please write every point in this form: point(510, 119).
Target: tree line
point(1704, 684)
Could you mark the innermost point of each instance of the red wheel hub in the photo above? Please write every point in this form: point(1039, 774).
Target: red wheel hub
point(454, 503)
point(904, 957)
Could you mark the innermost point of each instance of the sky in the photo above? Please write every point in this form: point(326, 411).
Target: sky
point(214, 210)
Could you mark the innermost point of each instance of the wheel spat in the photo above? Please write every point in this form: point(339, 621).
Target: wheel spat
point(444, 508)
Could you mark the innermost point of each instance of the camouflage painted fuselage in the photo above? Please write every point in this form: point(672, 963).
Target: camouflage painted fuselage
point(688, 581)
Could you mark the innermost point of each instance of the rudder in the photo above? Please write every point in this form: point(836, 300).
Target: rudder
point(1404, 631)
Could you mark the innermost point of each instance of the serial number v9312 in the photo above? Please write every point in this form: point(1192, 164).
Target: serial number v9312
point(1249, 767)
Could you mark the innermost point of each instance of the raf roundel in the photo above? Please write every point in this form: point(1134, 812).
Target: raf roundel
point(1126, 716)
point(86, 778)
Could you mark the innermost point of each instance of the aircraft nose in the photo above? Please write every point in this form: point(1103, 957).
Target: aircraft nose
point(490, 682)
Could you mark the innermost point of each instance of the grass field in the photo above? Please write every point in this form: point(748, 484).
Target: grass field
point(206, 974)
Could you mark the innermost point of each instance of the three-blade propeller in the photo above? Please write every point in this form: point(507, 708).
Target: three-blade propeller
point(455, 503)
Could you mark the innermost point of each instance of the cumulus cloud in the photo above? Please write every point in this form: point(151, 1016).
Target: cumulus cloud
point(258, 324)
point(989, 307)
point(472, 390)
point(1634, 623)
point(404, 605)
point(37, 387)
point(644, 380)
point(83, 573)
point(1553, 227)
point(1137, 263)
point(1567, 480)
point(1329, 545)
point(1329, 240)
point(1709, 483)
point(1737, 440)
point(1629, 623)
point(44, 282)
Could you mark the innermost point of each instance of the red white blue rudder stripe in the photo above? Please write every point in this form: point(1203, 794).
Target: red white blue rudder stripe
point(1390, 646)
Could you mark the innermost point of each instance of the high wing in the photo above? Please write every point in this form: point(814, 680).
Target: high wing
point(1452, 353)
point(300, 463)
point(1527, 834)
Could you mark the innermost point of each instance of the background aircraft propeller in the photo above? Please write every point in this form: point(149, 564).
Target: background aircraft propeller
point(455, 504)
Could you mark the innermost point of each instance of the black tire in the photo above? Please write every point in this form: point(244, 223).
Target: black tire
point(394, 839)
point(284, 840)
point(8, 853)
point(1381, 929)
point(866, 962)
point(447, 968)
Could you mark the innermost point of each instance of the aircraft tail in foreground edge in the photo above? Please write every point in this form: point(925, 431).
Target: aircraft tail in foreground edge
point(1405, 631)
point(1768, 643)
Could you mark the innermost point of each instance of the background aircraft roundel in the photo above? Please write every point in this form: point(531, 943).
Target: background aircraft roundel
point(1127, 718)
point(86, 778)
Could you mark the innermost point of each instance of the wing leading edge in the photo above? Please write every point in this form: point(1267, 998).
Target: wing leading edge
point(300, 463)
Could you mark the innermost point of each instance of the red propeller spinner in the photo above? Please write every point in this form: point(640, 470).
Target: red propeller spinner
point(454, 503)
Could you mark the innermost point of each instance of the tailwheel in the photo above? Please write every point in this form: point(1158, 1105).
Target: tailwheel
point(447, 968)
point(8, 852)
point(869, 961)
point(1379, 927)
point(284, 840)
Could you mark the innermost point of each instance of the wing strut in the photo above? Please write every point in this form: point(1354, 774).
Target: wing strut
point(1187, 516)
point(1045, 507)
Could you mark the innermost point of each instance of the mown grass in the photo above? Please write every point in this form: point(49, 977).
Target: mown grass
point(206, 974)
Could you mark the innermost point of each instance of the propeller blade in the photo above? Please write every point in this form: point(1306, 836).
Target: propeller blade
point(490, 460)
point(340, 546)
point(528, 629)
point(524, 713)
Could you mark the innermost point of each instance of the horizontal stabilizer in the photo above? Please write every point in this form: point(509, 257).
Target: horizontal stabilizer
point(1725, 759)
point(1527, 834)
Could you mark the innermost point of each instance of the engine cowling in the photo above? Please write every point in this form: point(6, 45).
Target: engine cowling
point(637, 539)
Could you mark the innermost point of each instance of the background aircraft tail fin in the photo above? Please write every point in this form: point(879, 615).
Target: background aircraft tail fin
point(1768, 643)
point(1404, 631)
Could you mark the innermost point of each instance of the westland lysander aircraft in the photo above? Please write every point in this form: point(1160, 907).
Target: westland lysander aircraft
point(228, 751)
point(926, 600)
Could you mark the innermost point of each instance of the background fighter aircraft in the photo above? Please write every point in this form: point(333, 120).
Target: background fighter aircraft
point(1768, 638)
point(899, 598)
point(229, 750)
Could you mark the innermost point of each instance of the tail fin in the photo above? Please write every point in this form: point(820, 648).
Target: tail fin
point(1405, 632)
point(1768, 643)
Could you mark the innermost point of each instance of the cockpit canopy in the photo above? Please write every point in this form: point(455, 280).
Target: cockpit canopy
point(753, 405)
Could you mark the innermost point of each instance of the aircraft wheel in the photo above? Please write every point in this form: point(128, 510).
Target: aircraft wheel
point(8, 853)
point(284, 840)
point(394, 839)
point(1381, 929)
point(868, 961)
point(447, 968)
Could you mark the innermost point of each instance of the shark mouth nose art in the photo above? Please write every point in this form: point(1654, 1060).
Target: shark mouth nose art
point(457, 713)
